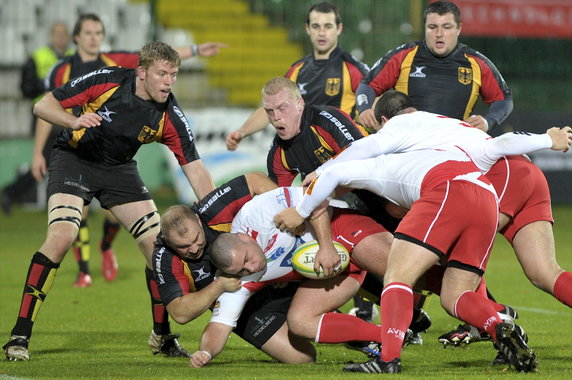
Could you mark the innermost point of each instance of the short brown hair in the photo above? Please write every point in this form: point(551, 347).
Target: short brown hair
point(158, 51)
point(325, 7)
point(84, 17)
point(173, 220)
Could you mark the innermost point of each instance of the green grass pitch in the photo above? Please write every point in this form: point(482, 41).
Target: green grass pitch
point(102, 331)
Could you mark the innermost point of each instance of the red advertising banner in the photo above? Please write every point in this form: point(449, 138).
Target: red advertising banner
point(518, 18)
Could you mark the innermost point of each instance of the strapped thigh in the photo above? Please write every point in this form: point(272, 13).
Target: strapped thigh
point(67, 214)
point(146, 225)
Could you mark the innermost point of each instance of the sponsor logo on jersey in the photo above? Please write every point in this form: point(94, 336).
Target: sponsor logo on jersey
point(106, 115)
point(333, 86)
point(181, 116)
point(270, 243)
point(212, 199)
point(338, 124)
point(147, 135)
point(158, 257)
point(96, 72)
point(418, 73)
point(465, 75)
point(302, 88)
point(201, 274)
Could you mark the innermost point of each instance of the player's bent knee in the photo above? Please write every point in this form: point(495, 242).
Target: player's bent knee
point(145, 227)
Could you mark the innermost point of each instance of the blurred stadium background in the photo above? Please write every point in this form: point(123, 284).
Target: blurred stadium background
point(530, 41)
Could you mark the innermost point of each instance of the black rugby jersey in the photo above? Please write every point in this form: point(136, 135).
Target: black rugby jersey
point(128, 121)
point(331, 81)
point(448, 85)
point(178, 276)
point(324, 132)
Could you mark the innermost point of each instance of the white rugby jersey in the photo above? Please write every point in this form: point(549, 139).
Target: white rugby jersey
point(255, 218)
point(400, 177)
point(425, 130)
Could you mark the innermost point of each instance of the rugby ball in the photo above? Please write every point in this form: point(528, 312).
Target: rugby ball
point(303, 259)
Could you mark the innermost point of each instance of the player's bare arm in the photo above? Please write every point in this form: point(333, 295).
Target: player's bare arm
point(49, 109)
point(256, 122)
point(190, 306)
point(39, 167)
point(199, 177)
point(288, 220)
point(327, 256)
point(213, 341)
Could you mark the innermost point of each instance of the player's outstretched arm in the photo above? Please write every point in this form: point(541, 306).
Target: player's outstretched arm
point(256, 122)
point(213, 341)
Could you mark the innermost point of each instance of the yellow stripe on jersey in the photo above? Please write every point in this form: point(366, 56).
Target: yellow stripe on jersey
point(348, 96)
point(295, 73)
point(477, 83)
point(223, 227)
point(322, 141)
point(189, 275)
point(66, 74)
point(91, 107)
point(283, 159)
point(403, 80)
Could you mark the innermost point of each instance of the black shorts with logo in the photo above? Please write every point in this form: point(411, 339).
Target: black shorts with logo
point(110, 184)
point(264, 314)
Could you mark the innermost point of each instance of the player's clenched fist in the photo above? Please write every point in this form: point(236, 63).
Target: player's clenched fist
point(199, 359)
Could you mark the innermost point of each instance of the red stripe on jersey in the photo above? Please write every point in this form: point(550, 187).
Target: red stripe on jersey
point(253, 287)
point(490, 90)
point(389, 73)
point(183, 275)
point(329, 139)
point(288, 197)
point(227, 214)
point(296, 68)
point(61, 75)
point(172, 140)
point(355, 75)
point(87, 96)
point(284, 177)
point(123, 59)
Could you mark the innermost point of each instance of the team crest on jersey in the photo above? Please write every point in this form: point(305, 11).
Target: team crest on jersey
point(465, 75)
point(322, 154)
point(147, 135)
point(333, 86)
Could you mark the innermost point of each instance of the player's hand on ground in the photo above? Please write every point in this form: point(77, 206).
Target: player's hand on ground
point(561, 138)
point(328, 258)
point(199, 359)
point(87, 120)
point(479, 122)
point(233, 139)
point(228, 283)
point(38, 167)
point(210, 49)
point(367, 119)
point(288, 220)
